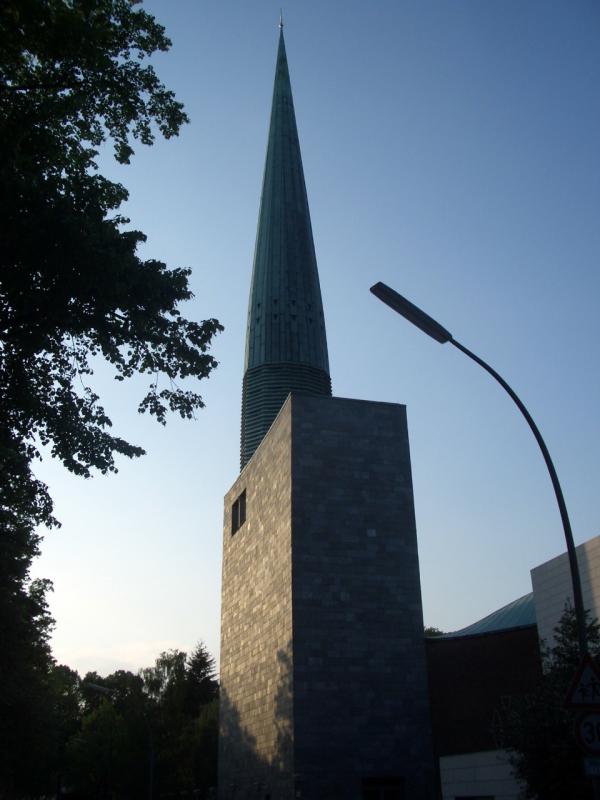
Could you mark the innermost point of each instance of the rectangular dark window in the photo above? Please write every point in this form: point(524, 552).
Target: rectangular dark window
point(238, 513)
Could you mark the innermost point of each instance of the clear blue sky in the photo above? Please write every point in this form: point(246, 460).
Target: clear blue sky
point(451, 149)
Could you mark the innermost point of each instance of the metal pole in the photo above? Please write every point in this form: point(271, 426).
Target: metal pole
point(575, 578)
point(433, 328)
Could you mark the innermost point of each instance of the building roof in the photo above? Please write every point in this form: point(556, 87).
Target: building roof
point(518, 614)
point(286, 345)
point(285, 312)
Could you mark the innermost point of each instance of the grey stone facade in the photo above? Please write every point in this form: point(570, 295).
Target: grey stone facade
point(256, 625)
point(323, 669)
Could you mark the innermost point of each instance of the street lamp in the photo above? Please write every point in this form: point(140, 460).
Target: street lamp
point(432, 328)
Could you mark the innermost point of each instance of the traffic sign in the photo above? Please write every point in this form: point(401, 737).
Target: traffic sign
point(584, 691)
point(591, 766)
point(587, 732)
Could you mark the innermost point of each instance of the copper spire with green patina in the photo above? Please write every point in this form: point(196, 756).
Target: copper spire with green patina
point(286, 346)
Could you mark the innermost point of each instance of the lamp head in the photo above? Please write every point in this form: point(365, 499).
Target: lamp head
point(410, 312)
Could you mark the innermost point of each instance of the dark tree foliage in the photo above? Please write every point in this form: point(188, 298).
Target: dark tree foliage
point(109, 755)
point(140, 735)
point(25, 676)
point(201, 681)
point(431, 630)
point(122, 735)
point(185, 730)
point(538, 730)
point(72, 75)
point(182, 684)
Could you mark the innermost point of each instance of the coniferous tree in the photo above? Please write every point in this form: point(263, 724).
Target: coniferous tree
point(201, 683)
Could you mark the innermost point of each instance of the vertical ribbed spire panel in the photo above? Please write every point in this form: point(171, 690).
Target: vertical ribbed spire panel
point(286, 345)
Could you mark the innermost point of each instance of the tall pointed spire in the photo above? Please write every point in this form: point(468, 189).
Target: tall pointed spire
point(286, 346)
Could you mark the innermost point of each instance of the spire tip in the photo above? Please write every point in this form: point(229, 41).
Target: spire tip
point(280, 20)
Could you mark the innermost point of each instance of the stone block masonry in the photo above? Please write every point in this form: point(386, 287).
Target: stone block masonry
point(324, 687)
point(256, 625)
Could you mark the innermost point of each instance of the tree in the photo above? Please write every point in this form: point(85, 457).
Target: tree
point(97, 754)
point(64, 708)
point(185, 691)
point(73, 74)
point(123, 735)
point(165, 681)
point(206, 747)
point(25, 673)
point(112, 752)
point(538, 730)
point(202, 686)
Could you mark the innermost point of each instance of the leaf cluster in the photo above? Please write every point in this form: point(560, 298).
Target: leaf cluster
point(158, 726)
point(73, 75)
point(538, 730)
point(77, 71)
point(121, 735)
point(431, 630)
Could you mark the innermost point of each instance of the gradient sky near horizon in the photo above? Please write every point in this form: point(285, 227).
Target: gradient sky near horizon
point(450, 149)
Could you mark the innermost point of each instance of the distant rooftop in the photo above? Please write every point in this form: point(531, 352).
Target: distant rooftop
point(518, 614)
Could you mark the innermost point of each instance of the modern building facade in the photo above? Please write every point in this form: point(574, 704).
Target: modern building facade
point(329, 689)
point(323, 675)
point(476, 673)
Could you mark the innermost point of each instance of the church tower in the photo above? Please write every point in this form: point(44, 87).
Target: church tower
point(286, 346)
point(323, 674)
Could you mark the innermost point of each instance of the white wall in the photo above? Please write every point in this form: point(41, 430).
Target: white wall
point(486, 774)
point(552, 586)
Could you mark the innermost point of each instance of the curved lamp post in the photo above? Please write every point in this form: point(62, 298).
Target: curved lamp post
point(432, 328)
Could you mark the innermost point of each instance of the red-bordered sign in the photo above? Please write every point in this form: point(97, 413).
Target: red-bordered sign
point(584, 691)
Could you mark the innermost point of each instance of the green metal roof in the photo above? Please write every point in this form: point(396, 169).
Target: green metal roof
point(286, 345)
point(518, 614)
point(285, 312)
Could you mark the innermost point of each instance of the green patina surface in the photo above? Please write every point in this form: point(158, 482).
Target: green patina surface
point(518, 614)
point(286, 345)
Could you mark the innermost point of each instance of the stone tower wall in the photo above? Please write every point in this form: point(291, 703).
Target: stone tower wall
point(323, 674)
point(360, 685)
point(256, 627)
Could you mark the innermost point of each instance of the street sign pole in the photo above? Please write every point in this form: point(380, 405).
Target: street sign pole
point(584, 696)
